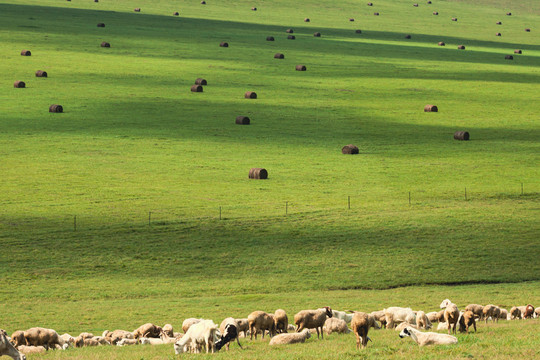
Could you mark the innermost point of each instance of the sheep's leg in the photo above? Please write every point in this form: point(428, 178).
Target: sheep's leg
point(238, 341)
point(357, 341)
point(474, 323)
point(449, 327)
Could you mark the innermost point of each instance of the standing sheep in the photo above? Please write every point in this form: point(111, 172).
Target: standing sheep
point(476, 309)
point(451, 314)
point(491, 311)
point(294, 338)
point(360, 324)
point(147, 330)
point(466, 320)
point(395, 315)
point(243, 326)
point(529, 312)
point(309, 319)
point(503, 314)
point(43, 337)
point(380, 317)
point(422, 321)
point(335, 325)
point(117, 335)
point(281, 321)
point(228, 334)
point(17, 338)
point(203, 333)
point(261, 321)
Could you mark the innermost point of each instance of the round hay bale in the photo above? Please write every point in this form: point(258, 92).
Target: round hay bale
point(376, 13)
point(431, 108)
point(19, 84)
point(279, 56)
point(435, 13)
point(289, 31)
point(307, 20)
point(250, 95)
point(509, 57)
point(196, 88)
point(351, 19)
point(317, 34)
point(517, 51)
point(454, 19)
point(41, 73)
point(100, 25)
point(301, 68)
point(369, 4)
point(528, 30)
point(415, 5)
point(26, 53)
point(242, 120)
point(269, 38)
point(509, 14)
point(497, 34)
point(407, 36)
point(291, 37)
point(498, 23)
point(56, 108)
point(253, 9)
point(258, 173)
point(137, 9)
point(461, 135)
point(200, 81)
point(105, 44)
point(176, 13)
point(441, 43)
point(461, 47)
point(350, 149)
point(358, 31)
point(224, 44)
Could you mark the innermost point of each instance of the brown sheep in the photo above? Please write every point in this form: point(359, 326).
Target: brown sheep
point(503, 314)
point(436, 316)
point(168, 330)
point(43, 337)
point(309, 319)
point(83, 342)
point(466, 320)
point(380, 317)
point(17, 338)
point(261, 321)
point(243, 326)
point(360, 324)
point(86, 335)
point(491, 311)
point(148, 330)
point(7, 348)
point(117, 335)
point(529, 312)
point(476, 309)
point(281, 320)
point(31, 349)
point(451, 317)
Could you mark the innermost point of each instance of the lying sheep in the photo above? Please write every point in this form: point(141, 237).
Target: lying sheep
point(403, 325)
point(476, 309)
point(151, 341)
point(117, 335)
point(451, 314)
point(86, 335)
point(101, 340)
point(147, 330)
point(422, 321)
point(201, 334)
point(491, 311)
point(335, 325)
point(281, 321)
point(7, 348)
point(80, 342)
point(360, 323)
point(312, 319)
point(44, 337)
point(428, 338)
point(467, 319)
point(291, 327)
point(31, 349)
point(395, 315)
point(261, 321)
point(294, 338)
point(68, 338)
point(168, 330)
point(126, 341)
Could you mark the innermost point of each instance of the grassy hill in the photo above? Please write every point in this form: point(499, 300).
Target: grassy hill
point(138, 193)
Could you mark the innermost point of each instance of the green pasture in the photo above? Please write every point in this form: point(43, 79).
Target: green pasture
point(134, 205)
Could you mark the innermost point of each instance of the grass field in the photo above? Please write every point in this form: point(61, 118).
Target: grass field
point(134, 205)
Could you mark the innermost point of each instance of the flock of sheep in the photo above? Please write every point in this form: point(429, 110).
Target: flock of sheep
point(202, 334)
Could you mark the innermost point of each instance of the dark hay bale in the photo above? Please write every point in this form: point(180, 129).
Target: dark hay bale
point(509, 57)
point(461, 135)
point(498, 23)
point(258, 173)
point(253, 9)
point(200, 81)
point(26, 53)
point(176, 13)
point(250, 95)
point(307, 20)
point(196, 88)
point(415, 5)
point(100, 25)
point(528, 30)
point(517, 51)
point(137, 9)
point(351, 19)
point(269, 38)
point(376, 13)
point(350, 149)
point(19, 84)
point(441, 43)
point(317, 34)
point(41, 73)
point(56, 108)
point(279, 56)
point(105, 44)
point(497, 34)
point(407, 36)
point(301, 68)
point(291, 37)
point(454, 19)
point(461, 47)
point(242, 120)
point(358, 31)
point(369, 4)
point(431, 108)
point(435, 13)
point(508, 13)
point(224, 44)
point(289, 31)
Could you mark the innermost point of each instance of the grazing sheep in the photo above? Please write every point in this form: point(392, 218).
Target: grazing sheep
point(126, 341)
point(491, 311)
point(17, 338)
point(117, 335)
point(147, 330)
point(466, 320)
point(342, 315)
point(476, 309)
point(243, 326)
point(335, 325)
point(380, 317)
point(309, 319)
point(281, 321)
point(188, 322)
point(451, 314)
point(403, 325)
point(261, 321)
point(529, 312)
point(31, 349)
point(537, 312)
point(168, 330)
point(294, 338)
point(422, 321)
point(68, 338)
point(228, 333)
point(360, 323)
point(203, 333)
point(44, 337)
point(503, 314)
point(395, 315)
point(428, 338)
point(7, 348)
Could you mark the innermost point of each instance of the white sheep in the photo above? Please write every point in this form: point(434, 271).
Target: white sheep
point(126, 341)
point(335, 325)
point(422, 321)
point(403, 325)
point(428, 338)
point(292, 338)
point(151, 341)
point(203, 333)
point(395, 315)
point(342, 315)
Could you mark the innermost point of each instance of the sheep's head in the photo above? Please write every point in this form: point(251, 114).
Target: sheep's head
point(178, 349)
point(404, 332)
point(445, 303)
point(328, 311)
